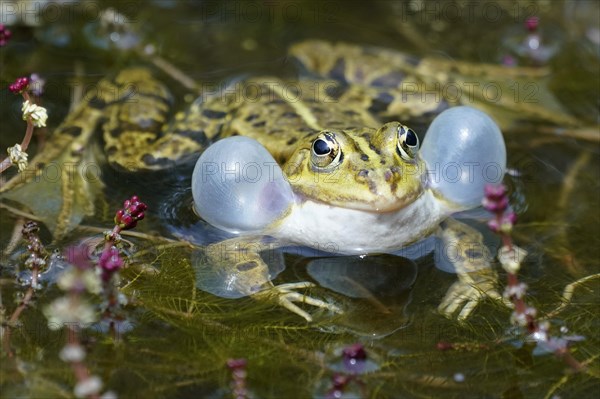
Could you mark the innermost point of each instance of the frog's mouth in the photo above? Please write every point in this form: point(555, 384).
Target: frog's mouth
point(374, 204)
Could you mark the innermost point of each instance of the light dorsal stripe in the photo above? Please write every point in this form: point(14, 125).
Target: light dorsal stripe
point(299, 106)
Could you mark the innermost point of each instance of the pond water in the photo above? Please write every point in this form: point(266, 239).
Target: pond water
point(175, 341)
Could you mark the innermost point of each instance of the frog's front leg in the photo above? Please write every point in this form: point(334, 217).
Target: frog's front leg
point(464, 249)
point(234, 268)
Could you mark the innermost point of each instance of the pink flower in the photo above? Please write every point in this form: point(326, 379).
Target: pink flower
point(133, 210)
point(19, 85)
point(110, 262)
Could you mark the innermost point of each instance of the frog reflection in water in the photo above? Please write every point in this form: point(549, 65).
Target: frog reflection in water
point(344, 176)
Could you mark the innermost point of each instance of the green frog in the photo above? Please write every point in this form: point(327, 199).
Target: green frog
point(317, 163)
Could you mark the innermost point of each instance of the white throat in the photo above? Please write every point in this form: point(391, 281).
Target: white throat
point(349, 231)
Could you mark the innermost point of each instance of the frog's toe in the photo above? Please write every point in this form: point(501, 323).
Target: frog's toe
point(465, 296)
point(286, 296)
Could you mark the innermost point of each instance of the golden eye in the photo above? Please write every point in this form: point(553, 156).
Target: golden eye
point(408, 143)
point(325, 151)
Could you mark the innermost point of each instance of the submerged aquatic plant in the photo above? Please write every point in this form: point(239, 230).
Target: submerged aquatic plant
point(238, 378)
point(346, 381)
point(74, 313)
point(36, 262)
point(510, 257)
point(110, 261)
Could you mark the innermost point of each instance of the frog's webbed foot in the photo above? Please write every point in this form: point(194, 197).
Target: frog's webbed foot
point(234, 268)
point(463, 249)
point(467, 292)
point(286, 296)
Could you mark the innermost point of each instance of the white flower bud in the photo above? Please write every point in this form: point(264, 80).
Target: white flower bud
point(38, 114)
point(511, 258)
point(17, 156)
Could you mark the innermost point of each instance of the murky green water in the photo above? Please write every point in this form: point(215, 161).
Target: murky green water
point(182, 338)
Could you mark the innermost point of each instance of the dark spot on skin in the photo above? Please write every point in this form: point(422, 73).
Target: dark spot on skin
point(337, 123)
point(392, 79)
point(396, 170)
point(382, 161)
point(335, 91)
point(388, 175)
point(338, 70)
point(40, 165)
point(116, 132)
point(393, 186)
point(372, 186)
point(97, 103)
point(259, 124)
point(363, 173)
point(151, 160)
point(291, 141)
point(381, 102)
point(349, 112)
point(364, 157)
point(212, 114)
point(306, 129)
point(317, 110)
point(72, 131)
point(413, 61)
point(276, 101)
point(289, 115)
point(112, 150)
point(197, 135)
point(244, 267)
point(251, 117)
point(374, 149)
point(473, 254)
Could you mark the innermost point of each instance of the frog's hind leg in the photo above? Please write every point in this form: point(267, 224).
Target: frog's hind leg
point(234, 268)
point(136, 132)
point(464, 252)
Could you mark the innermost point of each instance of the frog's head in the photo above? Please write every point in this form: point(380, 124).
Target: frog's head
point(364, 169)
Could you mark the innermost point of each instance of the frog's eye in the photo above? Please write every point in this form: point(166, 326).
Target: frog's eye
point(325, 151)
point(408, 143)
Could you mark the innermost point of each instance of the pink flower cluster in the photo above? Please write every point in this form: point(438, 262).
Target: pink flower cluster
point(110, 262)
point(496, 201)
point(19, 85)
point(133, 210)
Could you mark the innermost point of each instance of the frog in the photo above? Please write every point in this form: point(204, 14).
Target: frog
point(346, 105)
point(345, 183)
